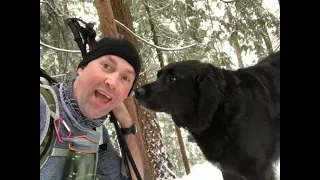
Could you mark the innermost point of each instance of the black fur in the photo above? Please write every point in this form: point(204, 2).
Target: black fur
point(234, 116)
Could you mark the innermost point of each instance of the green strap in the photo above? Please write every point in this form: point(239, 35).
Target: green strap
point(49, 98)
point(50, 137)
point(59, 152)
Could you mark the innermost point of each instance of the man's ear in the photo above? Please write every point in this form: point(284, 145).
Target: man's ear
point(79, 70)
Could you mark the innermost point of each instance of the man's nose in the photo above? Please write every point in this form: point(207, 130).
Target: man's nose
point(140, 91)
point(111, 80)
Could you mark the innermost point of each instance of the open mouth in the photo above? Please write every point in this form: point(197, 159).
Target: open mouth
point(102, 97)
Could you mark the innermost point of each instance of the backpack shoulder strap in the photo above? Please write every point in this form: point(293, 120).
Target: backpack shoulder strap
point(100, 131)
point(50, 138)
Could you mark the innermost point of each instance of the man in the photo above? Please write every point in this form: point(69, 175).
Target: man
point(106, 76)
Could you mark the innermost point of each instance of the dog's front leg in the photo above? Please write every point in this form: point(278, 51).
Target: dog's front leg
point(231, 176)
point(265, 174)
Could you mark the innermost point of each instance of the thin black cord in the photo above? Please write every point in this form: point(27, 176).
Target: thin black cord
point(124, 155)
point(124, 146)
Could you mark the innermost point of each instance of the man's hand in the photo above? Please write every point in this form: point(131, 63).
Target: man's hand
point(122, 115)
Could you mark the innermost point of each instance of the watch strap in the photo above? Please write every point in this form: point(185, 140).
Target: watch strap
point(130, 130)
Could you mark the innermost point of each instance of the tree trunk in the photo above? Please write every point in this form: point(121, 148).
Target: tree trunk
point(154, 36)
point(235, 43)
point(237, 50)
point(267, 39)
point(160, 58)
point(194, 22)
point(108, 28)
point(106, 18)
point(158, 162)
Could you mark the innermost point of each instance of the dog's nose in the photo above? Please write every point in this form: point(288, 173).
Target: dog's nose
point(139, 91)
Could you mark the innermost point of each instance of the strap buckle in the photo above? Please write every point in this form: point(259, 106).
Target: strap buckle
point(56, 128)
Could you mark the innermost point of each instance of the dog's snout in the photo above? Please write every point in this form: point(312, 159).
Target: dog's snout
point(139, 91)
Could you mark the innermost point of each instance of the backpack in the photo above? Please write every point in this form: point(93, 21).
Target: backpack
point(85, 165)
point(82, 36)
point(50, 138)
point(47, 145)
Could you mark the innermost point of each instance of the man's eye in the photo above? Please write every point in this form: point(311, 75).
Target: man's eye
point(106, 66)
point(126, 78)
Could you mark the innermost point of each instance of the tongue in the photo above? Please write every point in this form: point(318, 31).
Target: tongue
point(101, 97)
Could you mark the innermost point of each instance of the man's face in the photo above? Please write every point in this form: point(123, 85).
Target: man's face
point(102, 84)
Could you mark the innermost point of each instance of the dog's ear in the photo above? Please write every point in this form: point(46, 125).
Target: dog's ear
point(209, 96)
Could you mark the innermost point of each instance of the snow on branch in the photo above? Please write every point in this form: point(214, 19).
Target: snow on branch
point(158, 47)
point(53, 9)
point(59, 49)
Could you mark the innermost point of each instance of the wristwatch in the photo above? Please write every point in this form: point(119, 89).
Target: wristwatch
point(130, 130)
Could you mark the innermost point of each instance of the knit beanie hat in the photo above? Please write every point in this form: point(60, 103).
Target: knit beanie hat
point(118, 47)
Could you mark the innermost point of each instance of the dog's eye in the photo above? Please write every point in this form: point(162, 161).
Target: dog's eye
point(171, 78)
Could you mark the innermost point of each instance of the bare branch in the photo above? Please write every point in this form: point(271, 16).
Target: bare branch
point(146, 70)
point(63, 76)
point(158, 47)
point(159, 8)
point(59, 49)
point(226, 1)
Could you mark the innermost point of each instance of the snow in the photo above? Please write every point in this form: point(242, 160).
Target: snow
point(206, 171)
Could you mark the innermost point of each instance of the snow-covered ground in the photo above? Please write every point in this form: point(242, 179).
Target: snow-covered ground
point(207, 171)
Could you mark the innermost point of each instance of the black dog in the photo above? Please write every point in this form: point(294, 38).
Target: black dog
point(234, 116)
